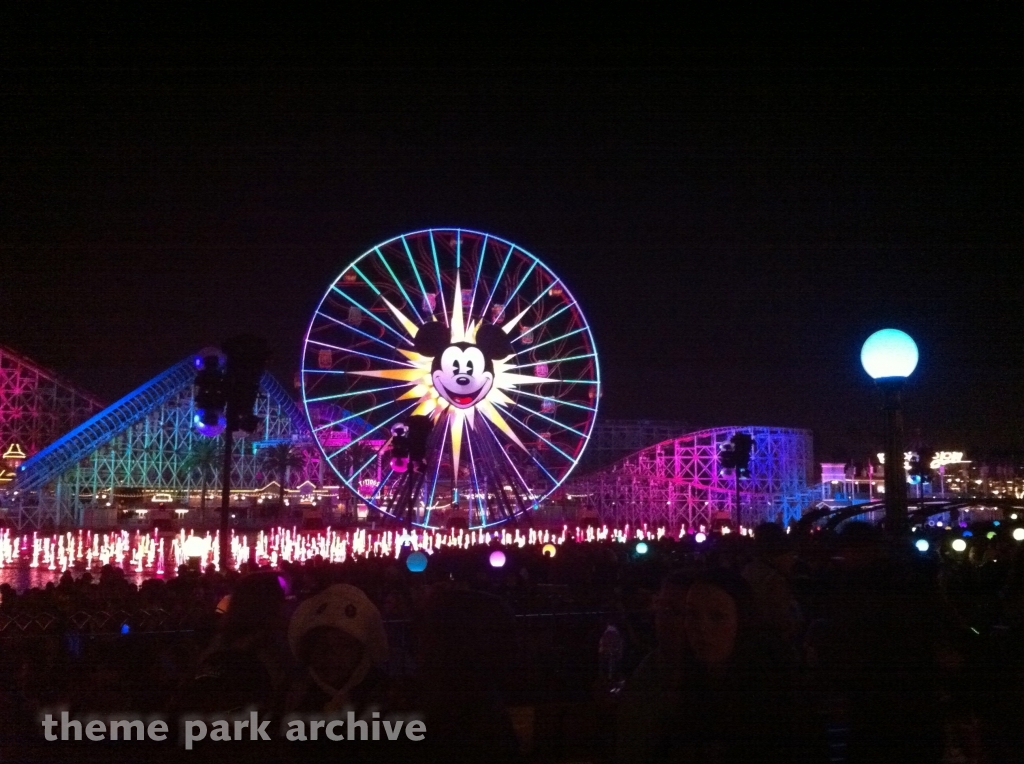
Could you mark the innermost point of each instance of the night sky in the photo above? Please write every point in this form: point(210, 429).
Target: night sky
point(734, 221)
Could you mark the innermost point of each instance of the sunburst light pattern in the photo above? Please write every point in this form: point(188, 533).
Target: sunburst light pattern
point(465, 349)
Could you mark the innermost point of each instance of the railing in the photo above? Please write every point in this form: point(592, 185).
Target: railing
point(107, 621)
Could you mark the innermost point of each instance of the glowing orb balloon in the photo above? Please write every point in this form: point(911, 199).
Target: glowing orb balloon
point(416, 562)
point(641, 548)
point(497, 559)
point(700, 538)
point(209, 430)
point(959, 545)
point(1018, 534)
point(889, 353)
point(922, 545)
point(549, 550)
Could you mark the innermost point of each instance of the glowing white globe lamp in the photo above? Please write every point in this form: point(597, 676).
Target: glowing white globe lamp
point(888, 354)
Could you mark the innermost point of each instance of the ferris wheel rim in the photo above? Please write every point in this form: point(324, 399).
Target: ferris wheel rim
point(571, 305)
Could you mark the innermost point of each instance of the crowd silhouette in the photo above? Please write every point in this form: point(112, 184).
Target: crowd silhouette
point(844, 646)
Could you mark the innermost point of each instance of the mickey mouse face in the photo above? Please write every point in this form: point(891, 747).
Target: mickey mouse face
point(462, 375)
point(462, 372)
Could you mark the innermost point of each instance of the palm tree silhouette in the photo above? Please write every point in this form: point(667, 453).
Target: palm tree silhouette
point(205, 456)
point(280, 460)
point(354, 457)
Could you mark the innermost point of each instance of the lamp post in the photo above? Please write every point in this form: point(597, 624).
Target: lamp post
point(889, 356)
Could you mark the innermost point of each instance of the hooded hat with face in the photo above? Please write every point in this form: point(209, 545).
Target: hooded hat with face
point(349, 610)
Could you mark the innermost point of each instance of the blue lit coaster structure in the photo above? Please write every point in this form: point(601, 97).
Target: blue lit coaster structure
point(463, 375)
point(145, 443)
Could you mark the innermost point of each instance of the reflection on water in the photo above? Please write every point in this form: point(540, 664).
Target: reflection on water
point(22, 577)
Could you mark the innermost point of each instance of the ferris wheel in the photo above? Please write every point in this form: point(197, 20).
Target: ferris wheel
point(449, 373)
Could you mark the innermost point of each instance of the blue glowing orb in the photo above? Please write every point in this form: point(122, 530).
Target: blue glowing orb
point(641, 548)
point(497, 559)
point(922, 545)
point(416, 562)
point(889, 353)
point(209, 431)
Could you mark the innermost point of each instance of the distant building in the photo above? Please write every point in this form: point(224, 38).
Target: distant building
point(952, 476)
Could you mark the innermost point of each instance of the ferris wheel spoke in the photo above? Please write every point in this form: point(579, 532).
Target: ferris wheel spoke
point(351, 328)
point(558, 401)
point(364, 465)
point(539, 324)
point(398, 283)
point(437, 473)
point(497, 281)
point(351, 393)
point(403, 319)
point(476, 281)
point(382, 484)
point(544, 469)
point(553, 421)
point(504, 453)
point(559, 337)
point(437, 274)
point(386, 422)
point(357, 415)
point(539, 297)
point(400, 336)
point(554, 360)
point(540, 437)
point(360, 353)
point(504, 482)
point(519, 285)
point(476, 482)
point(486, 486)
point(412, 264)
